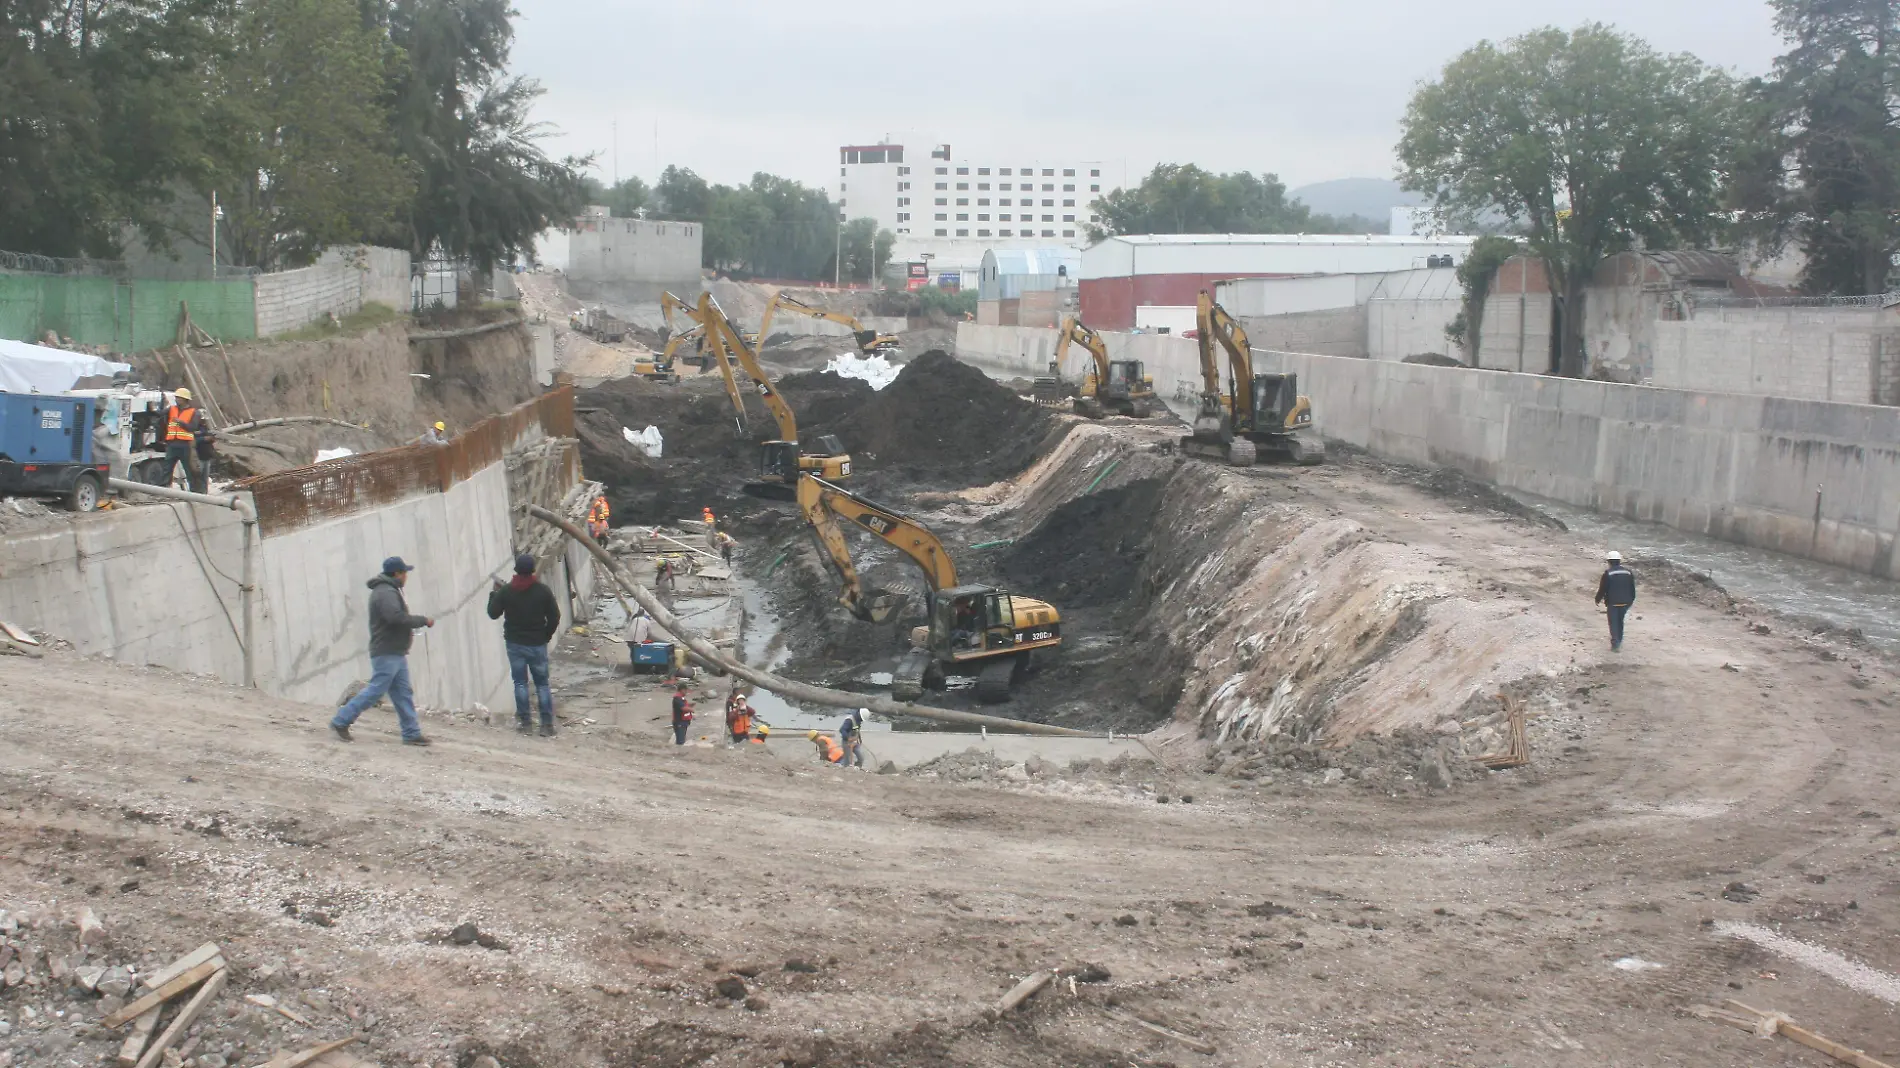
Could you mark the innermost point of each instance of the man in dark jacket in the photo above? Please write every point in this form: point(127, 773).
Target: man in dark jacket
point(530, 616)
point(391, 630)
point(1616, 591)
point(682, 714)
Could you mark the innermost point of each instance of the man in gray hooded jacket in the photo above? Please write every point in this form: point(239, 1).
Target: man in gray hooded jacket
point(391, 629)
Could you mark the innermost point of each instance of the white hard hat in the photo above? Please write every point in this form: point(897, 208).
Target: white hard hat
point(1614, 557)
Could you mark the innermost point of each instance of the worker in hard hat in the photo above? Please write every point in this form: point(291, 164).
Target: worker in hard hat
point(1616, 591)
point(850, 740)
point(184, 421)
point(706, 517)
point(829, 751)
point(739, 719)
point(597, 518)
point(435, 435)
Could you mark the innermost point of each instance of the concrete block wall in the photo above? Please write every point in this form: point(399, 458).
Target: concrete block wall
point(1805, 361)
point(1810, 478)
point(1396, 329)
point(339, 283)
point(1515, 335)
point(1333, 331)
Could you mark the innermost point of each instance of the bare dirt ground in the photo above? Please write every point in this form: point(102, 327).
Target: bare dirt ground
point(1711, 773)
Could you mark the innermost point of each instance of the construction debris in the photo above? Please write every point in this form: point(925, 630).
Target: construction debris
point(1767, 1024)
point(1024, 990)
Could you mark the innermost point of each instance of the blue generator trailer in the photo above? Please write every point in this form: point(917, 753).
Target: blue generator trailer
point(46, 449)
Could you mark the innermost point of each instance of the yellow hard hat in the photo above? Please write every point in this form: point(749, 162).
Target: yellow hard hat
point(812, 735)
point(764, 729)
point(441, 425)
point(182, 393)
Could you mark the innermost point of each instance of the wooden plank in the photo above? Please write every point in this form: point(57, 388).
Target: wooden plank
point(1198, 1045)
point(165, 992)
point(176, 968)
point(1024, 990)
point(141, 1034)
point(185, 1018)
point(17, 634)
point(298, 1060)
point(1844, 1054)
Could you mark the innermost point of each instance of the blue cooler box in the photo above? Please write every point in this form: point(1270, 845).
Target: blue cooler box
point(652, 656)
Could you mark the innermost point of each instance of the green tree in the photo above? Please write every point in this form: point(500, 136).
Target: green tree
point(864, 250)
point(1590, 140)
point(1178, 198)
point(683, 194)
point(302, 151)
point(485, 186)
point(1480, 265)
point(1822, 167)
point(626, 198)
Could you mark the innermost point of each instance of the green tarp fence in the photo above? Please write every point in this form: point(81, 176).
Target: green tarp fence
point(129, 315)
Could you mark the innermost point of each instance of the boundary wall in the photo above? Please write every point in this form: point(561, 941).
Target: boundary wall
point(1815, 479)
point(158, 583)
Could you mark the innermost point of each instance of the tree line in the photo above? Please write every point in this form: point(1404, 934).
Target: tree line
point(315, 122)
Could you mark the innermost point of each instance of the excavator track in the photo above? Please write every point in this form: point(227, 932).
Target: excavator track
point(993, 682)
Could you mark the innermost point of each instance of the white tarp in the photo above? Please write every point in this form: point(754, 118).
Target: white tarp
point(647, 441)
point(28, 368)
point(338, 453)
point(873, 369)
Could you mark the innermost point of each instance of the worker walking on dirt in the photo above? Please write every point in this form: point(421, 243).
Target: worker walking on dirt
point(1616, 591)
point(682, 714)
point(530, 618)
point(391, 630)
point(850, 738)
point(597, 518)
point(828, 751)
point(183, 422)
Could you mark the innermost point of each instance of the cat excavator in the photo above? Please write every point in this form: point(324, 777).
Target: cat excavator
point(783, 460)
point(675, 338)
point(973, 628)
point(870, 342)
point(1258, 411)
point(1117, 386)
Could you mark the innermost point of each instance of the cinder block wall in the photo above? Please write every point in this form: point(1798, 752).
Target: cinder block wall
point(1332, 331)
point(1831, 354)
point(1742, 468)
point(339, 283)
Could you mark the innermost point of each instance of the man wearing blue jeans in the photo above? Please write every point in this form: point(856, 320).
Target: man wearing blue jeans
point(391, 630)
point(533, 617)
point(1616, 591)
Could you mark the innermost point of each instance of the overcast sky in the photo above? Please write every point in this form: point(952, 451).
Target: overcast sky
point(1307, 89)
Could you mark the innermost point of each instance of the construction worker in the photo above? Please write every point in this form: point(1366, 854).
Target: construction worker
point(435, 435)
point(1616, 591)
point(183, 422)
point(739, 719)
point(597, 518)
point(725, 542)
point(828, 751)
point(664, 581)
point(533, 617)
point(850, 738)
point(391, 630)
point(682, 714)
point(706, 517)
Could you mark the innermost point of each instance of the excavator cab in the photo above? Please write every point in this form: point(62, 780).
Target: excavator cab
point(1124, 376)
point(1277, 404)
point(781, 462)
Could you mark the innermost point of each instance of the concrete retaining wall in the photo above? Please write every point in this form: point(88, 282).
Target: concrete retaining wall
point(1396, 329)
point(318, 602)
point(1809, 478)
point(1831, 354)
point(1333, 331)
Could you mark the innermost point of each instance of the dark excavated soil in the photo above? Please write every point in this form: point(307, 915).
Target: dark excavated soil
point(1090, 550)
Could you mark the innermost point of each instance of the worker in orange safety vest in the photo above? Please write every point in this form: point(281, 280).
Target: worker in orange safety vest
point(828, 750)
point(597, 518)
point(184, 421)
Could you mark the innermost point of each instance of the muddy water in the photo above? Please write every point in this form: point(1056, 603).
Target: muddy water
point(1772, 580)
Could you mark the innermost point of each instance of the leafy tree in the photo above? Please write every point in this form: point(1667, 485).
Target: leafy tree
point(485, 185)
point(683, 194)
point(1822, 167)
point(1480, 265)
point(303, 154)
point(626, 199)
point(864, 249)
point(1588, 139)
point(1180, 198)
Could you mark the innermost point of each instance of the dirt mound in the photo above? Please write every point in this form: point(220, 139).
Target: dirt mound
point(1090, 550)
point(948, 422)
point(1433, 359)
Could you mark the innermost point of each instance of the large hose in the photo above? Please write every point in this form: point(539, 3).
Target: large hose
point(796, 691)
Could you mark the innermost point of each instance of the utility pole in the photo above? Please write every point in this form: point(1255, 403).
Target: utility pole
point(837, 259)
point(616, 129)
point(215, 212)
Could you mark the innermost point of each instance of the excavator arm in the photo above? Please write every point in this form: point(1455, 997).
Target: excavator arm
point(824, 503)
point(1073, 330)
point(867, 339)
point(1219, 328)
point(728, 346)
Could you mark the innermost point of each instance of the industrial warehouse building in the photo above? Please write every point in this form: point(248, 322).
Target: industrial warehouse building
point(1150, 281)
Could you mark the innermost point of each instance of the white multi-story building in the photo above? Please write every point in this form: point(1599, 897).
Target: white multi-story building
point(947, 211)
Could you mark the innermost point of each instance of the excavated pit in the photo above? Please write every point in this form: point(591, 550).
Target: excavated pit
point(1197, 599)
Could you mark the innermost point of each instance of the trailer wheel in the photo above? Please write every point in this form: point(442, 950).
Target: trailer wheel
point(86, 493)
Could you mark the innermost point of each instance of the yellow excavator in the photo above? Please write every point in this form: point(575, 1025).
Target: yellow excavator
point(981, 629)
point(783, 460)
point(1110, 386)
point(869, 341)
point(1257, 411)
point(675, 338)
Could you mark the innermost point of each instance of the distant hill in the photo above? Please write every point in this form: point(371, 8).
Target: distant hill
point(1373, 198)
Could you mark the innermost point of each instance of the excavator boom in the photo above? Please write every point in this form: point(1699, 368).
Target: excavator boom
point(867, 340)
point(1255, 410)
point(727, 345)
point(823, 503)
